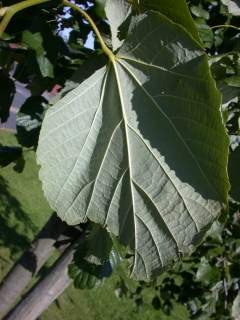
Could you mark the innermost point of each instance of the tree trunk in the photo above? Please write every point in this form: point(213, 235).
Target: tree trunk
point(46, 290)
point(30, 263)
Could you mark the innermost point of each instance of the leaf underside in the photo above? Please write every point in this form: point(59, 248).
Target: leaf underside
point(140, 148)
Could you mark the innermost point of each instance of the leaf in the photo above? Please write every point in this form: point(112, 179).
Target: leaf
point(7, 91)
point(233, 6)
point(29, 120)
point(205, 32)
point(228, 93)
point(99, 8)
point(233, 81)
point(140, 148)
point(9, 154)
point(98, 247)
point(234, 173)
point(236, 308)
point(87, 275)
point(35, 42)
point(177, 11)
point(207, 274)
point(200, 12)
point(117, 12)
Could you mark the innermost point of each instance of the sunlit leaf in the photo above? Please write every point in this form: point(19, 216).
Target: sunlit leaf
point(140, 148)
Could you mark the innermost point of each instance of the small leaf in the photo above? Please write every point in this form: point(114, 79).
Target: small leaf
point(89, 275)
point(9, 154)
point(199, 12)
point(205, 32)
point(99, 245)
point(100, 8)
point(7, 91)
point(29, 120)
point(233, 81)
point(234, 173)
point(236, 308)
point(35, 42)
point(207, 274)
point(233, 6)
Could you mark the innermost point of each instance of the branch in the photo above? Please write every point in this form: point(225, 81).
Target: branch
point(30, 263)
point(46, 290)
point(225, 26)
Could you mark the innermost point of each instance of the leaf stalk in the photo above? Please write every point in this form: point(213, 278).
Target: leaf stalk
point(104, 47)
point(226, 26)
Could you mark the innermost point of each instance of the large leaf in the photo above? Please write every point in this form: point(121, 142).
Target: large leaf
point(140, 147)
point(118, 11)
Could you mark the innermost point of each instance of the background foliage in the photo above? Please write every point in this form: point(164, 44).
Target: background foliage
point(46, 47)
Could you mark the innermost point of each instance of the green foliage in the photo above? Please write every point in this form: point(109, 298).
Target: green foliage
point(121, 170)
point(206, 285)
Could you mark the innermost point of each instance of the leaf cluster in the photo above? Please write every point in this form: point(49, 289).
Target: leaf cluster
point(37, 53)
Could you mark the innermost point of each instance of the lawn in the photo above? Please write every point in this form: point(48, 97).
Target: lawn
point(23, 211)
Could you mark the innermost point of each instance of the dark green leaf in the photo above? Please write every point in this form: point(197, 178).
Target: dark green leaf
point(205, 32)
point(234, 173)
point(99, 245)
point(9, 154)
point(7, 91)
point(34, 41)
point(29, 121)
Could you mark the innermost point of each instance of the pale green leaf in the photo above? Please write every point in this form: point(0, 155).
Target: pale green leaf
point(200, 12)
point(236, 308)
point(233, 6)
point(117, 12)
point(140, 148)
point(233, 81)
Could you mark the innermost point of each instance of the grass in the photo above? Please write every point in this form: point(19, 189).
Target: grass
point(23, 211)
